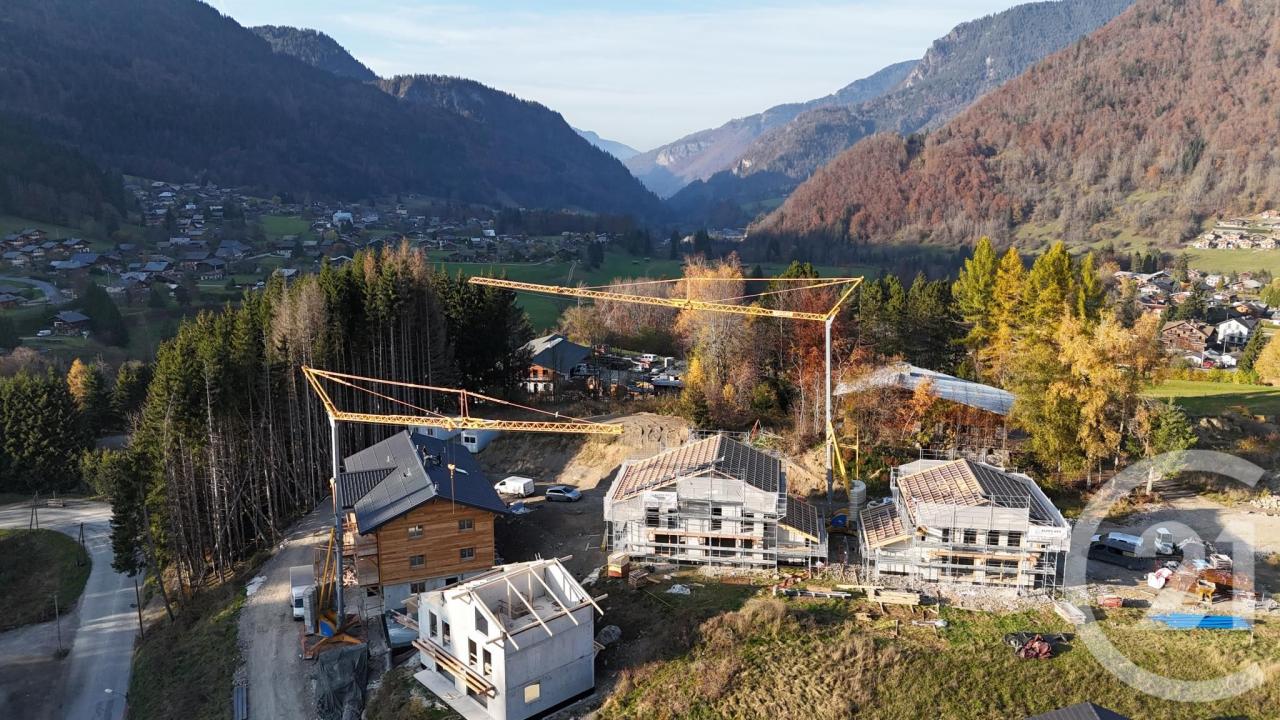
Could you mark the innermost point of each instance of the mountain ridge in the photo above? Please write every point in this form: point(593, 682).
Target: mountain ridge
point(315, 49)
point(174, 89)
point(667, 168)
point(620, 150)
point(971, 60)
point(1126, 132)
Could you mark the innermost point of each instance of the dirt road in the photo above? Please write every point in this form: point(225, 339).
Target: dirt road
point(269, 636)
point(92, 680)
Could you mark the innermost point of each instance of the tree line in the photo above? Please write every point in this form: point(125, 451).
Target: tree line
point(231, 445)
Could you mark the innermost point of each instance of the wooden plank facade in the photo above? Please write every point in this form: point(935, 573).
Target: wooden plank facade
point(441, 532)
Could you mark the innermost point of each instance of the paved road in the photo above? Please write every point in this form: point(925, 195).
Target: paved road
point(51, 293)
point(104, 625)
point(270, 637)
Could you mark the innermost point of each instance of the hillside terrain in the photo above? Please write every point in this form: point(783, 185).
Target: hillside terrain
point(700, 155)
point(970, 61)
point(1145, 128)
point(315, 49)
point(172, 89)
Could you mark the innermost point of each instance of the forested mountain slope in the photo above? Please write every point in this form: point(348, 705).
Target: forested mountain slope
point(700, 155)
point(172, 89)
point(315, 49)
point(1162, 117)
point(970, 61)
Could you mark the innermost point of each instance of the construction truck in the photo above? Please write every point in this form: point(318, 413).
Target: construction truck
point(301, 578)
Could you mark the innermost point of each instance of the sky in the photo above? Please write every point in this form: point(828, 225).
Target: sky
point(643, 73)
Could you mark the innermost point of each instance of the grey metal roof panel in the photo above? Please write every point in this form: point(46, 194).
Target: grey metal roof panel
point(355, 485)
point(803, 517)
point(1080, 711)
point(421, 473)
point(947, 387)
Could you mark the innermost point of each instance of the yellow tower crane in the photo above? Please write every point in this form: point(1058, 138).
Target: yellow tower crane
point(422, 417)
point(847, 285)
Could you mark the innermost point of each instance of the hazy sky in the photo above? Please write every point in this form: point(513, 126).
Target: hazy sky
point(643, 73)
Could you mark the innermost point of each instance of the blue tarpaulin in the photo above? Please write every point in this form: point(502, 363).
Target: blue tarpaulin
point(1192, 621)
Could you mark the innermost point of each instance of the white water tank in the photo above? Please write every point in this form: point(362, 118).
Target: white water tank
point(857, 496)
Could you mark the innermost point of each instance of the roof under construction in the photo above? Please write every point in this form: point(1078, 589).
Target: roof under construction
point(882, 525)
point(946, 387)
point(966, 483)
point(718, 454)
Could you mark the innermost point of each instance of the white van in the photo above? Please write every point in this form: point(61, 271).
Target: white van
point(515, 485)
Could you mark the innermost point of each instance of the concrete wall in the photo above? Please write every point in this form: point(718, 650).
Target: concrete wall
point(562, 664)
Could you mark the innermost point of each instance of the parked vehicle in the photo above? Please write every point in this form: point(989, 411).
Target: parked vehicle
point(301, 578)
point(515, 485)
point(563, 493)
point(43, 333)
point(1127, 550)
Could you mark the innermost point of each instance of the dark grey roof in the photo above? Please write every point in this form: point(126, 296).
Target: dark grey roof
point(1007, 490)
point(420, 473)
point(356, 485)
point(556, 352)
point(803, 517)
point(72, 317)
point(1080, 711)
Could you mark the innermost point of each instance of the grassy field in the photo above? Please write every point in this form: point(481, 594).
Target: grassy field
point(34, 565)
point(277, 226)
point(184, 669)
point(819, 660)
point(1211, 398)
point(1227, 261)
point(544, 311)
point(12, 223)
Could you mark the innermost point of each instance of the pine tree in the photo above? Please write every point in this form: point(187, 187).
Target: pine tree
point(40, 438)
point(105, 320)
point(1252, 349)
point(88, 386)
point(1090, 292)
point(1011, 279)
point(974, 295)
point(130, 390)
point(1050, 290)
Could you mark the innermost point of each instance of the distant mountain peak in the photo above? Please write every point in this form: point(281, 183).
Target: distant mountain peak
point(314, 48)
point(622, 151)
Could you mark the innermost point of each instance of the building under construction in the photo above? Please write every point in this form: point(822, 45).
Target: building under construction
point(714, 501)
point(962, 521)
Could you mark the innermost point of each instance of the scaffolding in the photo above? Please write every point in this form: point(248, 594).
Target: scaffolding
point(702, 515)
point(1008, 540)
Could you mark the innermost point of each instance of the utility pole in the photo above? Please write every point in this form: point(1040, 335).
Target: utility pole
point(137, 601)
point(57, 617)
point(337, 519)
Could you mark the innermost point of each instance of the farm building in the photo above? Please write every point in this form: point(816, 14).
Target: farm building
point(712, 502)
point(509, 644)
point(961, 521)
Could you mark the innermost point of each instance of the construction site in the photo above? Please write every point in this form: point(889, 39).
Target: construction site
point(512, 606)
